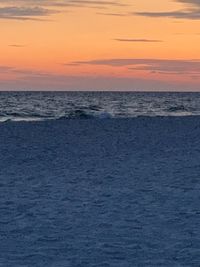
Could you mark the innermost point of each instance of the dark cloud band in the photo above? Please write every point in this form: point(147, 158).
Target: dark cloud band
point(35, 9)
point(165, 66)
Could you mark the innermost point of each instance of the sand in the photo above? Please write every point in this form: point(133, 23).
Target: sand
point(100, 193)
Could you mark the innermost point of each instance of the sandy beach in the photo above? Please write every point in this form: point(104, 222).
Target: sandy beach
point(100, 192)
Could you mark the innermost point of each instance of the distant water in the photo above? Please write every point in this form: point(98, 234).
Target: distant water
point(34, 106)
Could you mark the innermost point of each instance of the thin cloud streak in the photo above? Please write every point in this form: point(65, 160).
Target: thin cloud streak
point(192, 15)
point(138, 40)
point(112, 14)
point(16, 45)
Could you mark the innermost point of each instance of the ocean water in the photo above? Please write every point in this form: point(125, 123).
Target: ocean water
point(96, 192)
point(33, 106)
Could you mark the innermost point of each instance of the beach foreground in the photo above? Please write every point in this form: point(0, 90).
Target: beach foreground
point(100, 192)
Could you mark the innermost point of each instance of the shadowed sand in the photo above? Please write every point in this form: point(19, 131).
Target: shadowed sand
point(100, 193)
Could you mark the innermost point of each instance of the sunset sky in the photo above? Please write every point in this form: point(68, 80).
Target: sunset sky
point(100, 45)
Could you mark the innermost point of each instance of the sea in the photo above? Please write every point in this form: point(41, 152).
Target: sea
point(36, 106)
point(99, 179)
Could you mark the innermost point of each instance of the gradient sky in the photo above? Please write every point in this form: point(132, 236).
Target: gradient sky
point(100, 45)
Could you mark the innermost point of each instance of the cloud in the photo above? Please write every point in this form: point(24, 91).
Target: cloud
point(138, 40)
point(74, 83)
point(16, 45)
point(191, 12)
point(188, 14)
point(162, 66)
point(112, 14)
point(94, 3)
point(37, 9)
point(63, 3)
point(24, 13)
point(30, 79)
point(195, 3)
point(5, 69)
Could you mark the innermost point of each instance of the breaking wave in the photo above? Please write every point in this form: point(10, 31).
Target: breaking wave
point(76, 114)
point(40, 106)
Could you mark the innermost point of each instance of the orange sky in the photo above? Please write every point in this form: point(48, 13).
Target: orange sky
point(108, 45)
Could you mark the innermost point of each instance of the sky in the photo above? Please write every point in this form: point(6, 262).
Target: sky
point(138, 45)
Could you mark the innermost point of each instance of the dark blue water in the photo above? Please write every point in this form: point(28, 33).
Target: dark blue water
point(34, 106)
point(120, 192)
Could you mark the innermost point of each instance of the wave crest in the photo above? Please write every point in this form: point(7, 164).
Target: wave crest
point(177, 108)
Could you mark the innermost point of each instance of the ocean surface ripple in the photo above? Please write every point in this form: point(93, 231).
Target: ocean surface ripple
point(100, 193)
point(36, 106)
